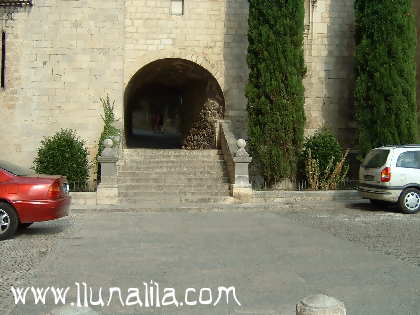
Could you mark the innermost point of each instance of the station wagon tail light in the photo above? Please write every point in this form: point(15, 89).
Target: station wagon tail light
point(55, 191)
point(386, 175)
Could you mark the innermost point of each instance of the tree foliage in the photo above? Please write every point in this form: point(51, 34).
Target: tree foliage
point(65, 154)
point(202, 134)
point(324, 161)
point(385, 93)
point(275, 90)
point(324, 147)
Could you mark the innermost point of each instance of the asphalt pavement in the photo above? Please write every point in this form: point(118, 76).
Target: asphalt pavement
point(365, 257)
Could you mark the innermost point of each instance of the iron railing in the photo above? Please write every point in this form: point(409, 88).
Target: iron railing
point(82, 186)
point(302, 185)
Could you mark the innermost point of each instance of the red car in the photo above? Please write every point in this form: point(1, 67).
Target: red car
point(26, 197)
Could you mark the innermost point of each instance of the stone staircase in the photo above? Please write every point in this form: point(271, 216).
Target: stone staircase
point(153, 177)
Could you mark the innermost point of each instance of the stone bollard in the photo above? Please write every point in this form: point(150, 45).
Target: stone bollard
point(242, 189)
point(107, 190)
point(320, 304)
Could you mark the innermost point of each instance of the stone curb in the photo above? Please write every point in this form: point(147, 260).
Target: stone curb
point(87, 201)
point(329, 195)
point(256, 205)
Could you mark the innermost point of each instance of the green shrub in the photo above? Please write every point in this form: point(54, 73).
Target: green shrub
point(275, 90)
point(385, 94)
point(323, 161)
point(109, 119)
point(323, 146)
point(63, 154)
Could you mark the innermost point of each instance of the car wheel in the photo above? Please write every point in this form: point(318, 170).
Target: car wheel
point(25, 225)
point(410, 201)
point(9, 221)
point(379, 203)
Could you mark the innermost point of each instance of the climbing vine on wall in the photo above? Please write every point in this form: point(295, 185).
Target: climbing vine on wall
point(202, 135)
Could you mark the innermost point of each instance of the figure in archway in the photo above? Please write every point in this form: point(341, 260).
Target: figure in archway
point(157, 121)
point(178, 94)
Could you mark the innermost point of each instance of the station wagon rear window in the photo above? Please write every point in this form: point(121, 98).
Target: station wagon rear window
point(376, 158)
point(409, 159)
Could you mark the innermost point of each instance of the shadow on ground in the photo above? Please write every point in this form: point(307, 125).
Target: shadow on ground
point(368, 207)
point(42, 229)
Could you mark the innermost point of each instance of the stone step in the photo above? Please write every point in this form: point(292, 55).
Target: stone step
point(168, 188)
point(177, 176)
point(202, 173)
point(175, 163)
point(172, 158)
point(173, 180)
point(151, 194)
point(141, 202)
point(170, 153)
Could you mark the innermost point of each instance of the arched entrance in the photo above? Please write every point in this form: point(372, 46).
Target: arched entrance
point(166, 101)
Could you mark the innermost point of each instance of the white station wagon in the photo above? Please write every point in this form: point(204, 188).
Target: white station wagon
point(391, 174)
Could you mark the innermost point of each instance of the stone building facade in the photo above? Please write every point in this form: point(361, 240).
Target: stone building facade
point(417, 12)
point(63, 55)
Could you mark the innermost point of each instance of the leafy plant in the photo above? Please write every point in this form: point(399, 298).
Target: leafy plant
point(65, 154)
point(334, 174)
point(275, 90)
point(323, 161)
point(324, 147)
point(109, 119)
point(202, 134)
point(385, 94)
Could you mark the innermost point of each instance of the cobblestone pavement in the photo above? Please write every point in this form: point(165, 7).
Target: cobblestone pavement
point(382, 230)
point(25, 251)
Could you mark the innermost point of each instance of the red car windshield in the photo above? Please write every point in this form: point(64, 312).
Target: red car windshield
point(15, 169)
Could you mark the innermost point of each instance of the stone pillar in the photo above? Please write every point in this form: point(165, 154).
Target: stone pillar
point(320, 304)
point(242, 188)
point(107, 192)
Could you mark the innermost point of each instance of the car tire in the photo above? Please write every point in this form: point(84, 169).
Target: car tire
point(409, 201)
point(25, 225)
point(379, 203)
point(9, 221)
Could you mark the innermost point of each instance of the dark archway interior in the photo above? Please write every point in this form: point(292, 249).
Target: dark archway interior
point(162, 101)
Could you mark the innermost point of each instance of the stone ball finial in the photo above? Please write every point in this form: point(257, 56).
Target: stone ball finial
point(116, 139)
point(241, 152)
point(108, 151)
point(108, 143)
point(241, 143)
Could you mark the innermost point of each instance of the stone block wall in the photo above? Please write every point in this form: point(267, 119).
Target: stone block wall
point(212, 33)
point(62, 55)
point(417, 12)
point(329, 51)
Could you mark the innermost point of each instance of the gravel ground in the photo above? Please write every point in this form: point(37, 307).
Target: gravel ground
point(382, 230)
point(25, 251)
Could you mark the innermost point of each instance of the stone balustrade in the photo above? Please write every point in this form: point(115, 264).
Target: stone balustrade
point(107, 191)
point(237, 161)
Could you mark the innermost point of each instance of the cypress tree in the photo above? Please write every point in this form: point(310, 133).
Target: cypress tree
point(385, 94)
point(275, 90)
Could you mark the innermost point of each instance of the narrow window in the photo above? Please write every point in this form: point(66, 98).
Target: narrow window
point(177, 7)
point(3, 58)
